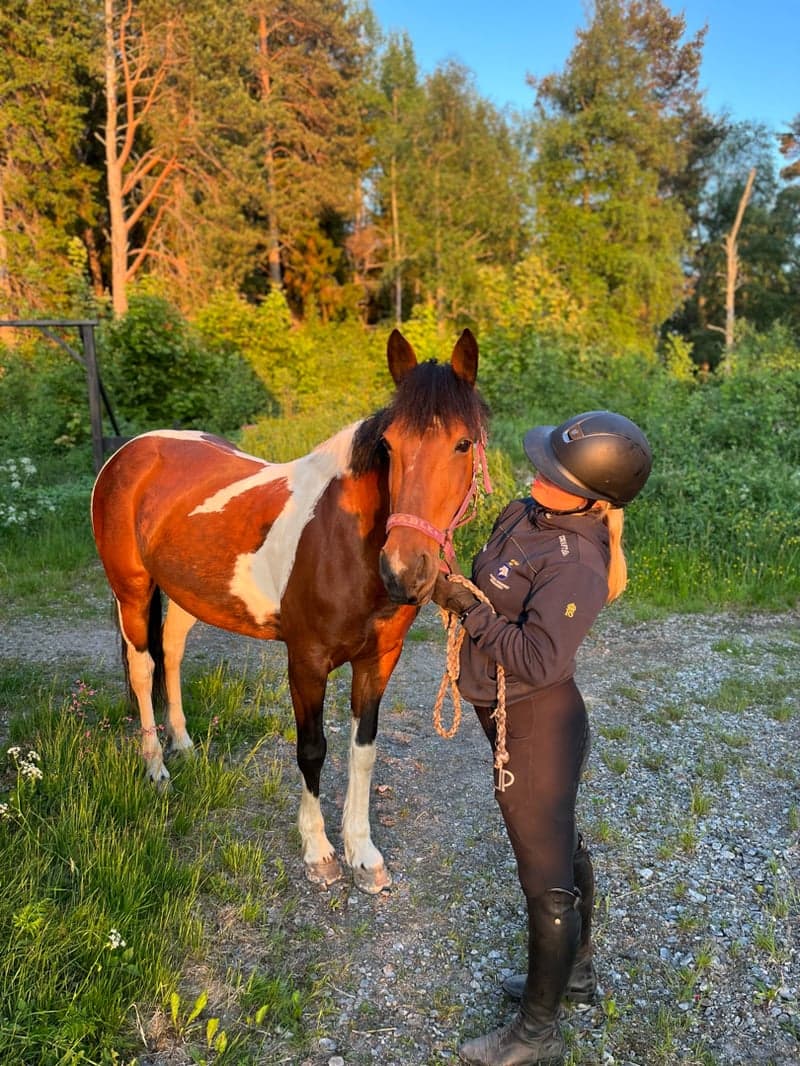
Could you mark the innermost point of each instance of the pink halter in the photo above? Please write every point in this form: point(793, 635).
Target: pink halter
point(444, 538)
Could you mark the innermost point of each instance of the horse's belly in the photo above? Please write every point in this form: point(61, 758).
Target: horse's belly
point(224, 611)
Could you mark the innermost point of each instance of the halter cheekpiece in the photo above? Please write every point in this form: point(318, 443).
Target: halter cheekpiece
point(444, 537)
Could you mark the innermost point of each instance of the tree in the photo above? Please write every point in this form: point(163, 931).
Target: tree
point(789, 143)
point(614, 135)
point(142, 52)
point(49, 186)
point(448, 186)
point(398, 110)
point(767, 252)
point(304, 69)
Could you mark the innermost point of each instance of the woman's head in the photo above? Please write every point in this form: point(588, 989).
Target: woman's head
point(598, 455)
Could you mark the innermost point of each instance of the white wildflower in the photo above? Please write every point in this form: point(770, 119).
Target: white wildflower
point(5, 812)
point(13, 752)
point(30, 770)
point(34, 756)
point(115, 940)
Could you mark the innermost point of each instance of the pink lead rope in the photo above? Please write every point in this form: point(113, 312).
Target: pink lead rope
point(444, 538)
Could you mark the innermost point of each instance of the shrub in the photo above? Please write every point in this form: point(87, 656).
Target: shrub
point(159, 372)
point(43, 398)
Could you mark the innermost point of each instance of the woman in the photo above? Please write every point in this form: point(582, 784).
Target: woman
point(550, 564)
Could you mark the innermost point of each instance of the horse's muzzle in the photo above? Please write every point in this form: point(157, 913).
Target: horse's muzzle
point(409, 584)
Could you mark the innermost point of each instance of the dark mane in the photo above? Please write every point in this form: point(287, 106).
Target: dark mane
point(431, 393)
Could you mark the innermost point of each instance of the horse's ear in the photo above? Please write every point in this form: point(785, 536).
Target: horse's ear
point(464, 359)
point(400, 355)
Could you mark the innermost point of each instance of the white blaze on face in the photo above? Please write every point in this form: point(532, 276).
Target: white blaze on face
point(260, 577)
point(392, 555)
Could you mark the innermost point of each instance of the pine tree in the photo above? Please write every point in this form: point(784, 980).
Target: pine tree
point(49, 187)
point(615, 134)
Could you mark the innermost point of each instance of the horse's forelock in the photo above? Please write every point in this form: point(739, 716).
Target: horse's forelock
point(431, 394)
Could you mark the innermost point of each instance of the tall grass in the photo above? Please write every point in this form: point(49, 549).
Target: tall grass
point(104, 880)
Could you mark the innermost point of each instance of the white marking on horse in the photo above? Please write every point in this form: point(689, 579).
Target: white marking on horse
point(260, 577)
point(316, 848)
point(358, 847)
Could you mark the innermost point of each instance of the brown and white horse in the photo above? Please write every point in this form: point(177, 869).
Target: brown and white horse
point(297, 552)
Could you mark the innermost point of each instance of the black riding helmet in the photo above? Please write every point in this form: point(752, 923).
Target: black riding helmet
point(599, 455)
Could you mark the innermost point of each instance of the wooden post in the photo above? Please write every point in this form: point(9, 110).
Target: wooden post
point(93, 384)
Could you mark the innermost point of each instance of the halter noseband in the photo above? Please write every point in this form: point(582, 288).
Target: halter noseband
point(444, 538)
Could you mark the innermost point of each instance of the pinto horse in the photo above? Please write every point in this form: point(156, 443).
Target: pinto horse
point(333, 554)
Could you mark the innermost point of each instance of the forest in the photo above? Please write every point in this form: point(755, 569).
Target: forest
point(291, 146)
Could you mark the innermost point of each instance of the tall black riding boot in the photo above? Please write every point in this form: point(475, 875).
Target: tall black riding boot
point(534, 1037)
point(582, 985)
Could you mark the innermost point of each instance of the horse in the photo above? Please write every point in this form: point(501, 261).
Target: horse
point(333, 553)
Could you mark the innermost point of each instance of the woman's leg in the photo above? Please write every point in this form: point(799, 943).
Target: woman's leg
point(546, 739)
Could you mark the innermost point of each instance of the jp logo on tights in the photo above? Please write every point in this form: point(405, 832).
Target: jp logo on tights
point(503, 779)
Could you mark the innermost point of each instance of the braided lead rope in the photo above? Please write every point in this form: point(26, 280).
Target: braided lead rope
point(455, 638)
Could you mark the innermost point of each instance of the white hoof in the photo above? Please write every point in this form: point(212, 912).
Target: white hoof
point(325, 872)
point(181, 745)
point(158, 773)
point(372, 880)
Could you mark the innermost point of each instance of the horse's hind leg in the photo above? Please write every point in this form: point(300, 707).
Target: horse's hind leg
point(176, 628)
point(369, 681)
point(133, 624)
point(307, 685)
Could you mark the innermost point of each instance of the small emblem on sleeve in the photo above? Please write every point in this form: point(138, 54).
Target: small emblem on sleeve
point(562, 540)
point(570, 610)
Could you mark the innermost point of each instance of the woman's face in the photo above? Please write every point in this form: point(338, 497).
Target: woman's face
point(553, 496)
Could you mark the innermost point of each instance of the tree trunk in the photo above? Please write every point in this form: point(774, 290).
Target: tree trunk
point(395, 209)
point(732, 257)
point(116, 210)
point(273, 229)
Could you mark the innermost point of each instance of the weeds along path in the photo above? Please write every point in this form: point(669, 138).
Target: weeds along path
point(690, 806)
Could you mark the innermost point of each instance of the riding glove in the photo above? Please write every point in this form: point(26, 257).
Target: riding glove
point(453, 597)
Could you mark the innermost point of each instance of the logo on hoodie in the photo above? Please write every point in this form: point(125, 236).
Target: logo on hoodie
point(498, 577)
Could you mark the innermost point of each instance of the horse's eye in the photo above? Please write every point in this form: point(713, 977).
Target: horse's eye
point(464, 445)
point(385, 444)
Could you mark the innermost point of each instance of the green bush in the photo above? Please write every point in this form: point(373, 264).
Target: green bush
point(43, 400)
point(305, 369)
point(159, 372)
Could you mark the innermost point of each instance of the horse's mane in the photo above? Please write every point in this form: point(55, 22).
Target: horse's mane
point(431, 394)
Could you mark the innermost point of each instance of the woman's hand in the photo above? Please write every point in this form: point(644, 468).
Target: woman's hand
point(453, 596)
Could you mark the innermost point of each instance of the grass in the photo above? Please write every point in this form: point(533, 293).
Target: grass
point(105, 879)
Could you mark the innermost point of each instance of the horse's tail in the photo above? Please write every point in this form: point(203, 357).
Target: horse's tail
point(155, 647)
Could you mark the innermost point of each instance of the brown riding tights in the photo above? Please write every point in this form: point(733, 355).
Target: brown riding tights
point(547, 739)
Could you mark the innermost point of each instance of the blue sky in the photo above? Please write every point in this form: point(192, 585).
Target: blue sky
point(751, 65)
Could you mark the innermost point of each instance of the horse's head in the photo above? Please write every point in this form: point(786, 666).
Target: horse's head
point(434, 433)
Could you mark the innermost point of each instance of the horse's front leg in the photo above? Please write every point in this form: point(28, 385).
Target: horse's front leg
point(370, 678)
point(307, 686)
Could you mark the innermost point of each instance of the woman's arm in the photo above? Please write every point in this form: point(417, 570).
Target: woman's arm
point(540, 649)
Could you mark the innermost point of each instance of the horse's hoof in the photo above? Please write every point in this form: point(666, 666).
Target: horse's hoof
point(159, 776)
point(325, 872)
point(372, 880)
point(183, 746)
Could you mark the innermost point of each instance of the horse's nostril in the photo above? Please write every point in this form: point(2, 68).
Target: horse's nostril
point(422, 568)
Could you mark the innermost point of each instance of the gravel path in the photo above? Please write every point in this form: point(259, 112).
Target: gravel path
point(690, 807)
